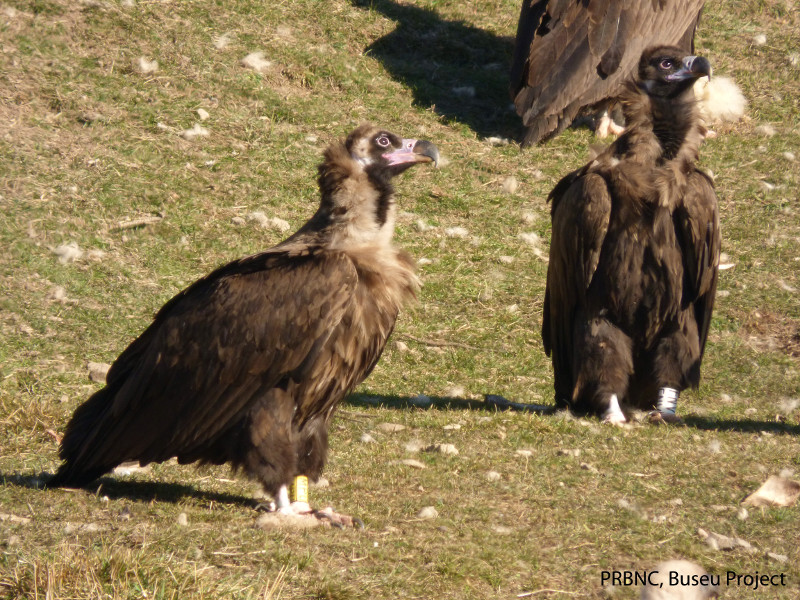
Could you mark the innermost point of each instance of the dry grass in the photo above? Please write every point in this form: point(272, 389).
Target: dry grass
point(89, 142)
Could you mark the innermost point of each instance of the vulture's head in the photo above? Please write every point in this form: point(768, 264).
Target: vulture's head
point(355, 181)
point(380, 150)
point(666, 71)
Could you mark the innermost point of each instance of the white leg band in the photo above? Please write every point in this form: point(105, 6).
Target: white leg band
point(667, 400)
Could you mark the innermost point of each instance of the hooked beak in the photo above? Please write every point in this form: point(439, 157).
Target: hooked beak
point(413, 151)
point(692, 67)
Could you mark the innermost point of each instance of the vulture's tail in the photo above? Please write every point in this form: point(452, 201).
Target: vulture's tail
point(82, 464)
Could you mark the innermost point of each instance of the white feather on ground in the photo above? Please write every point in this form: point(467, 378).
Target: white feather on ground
point(720, 100)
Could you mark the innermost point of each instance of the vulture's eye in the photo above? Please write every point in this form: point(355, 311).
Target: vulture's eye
point(666, 63)
point(383, 141)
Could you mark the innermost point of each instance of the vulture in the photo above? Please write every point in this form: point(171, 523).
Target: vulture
point(634, 254)
point(247, 365)
point(571, 55)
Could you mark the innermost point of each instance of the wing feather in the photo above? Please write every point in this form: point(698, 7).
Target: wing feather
point(570, 55)
point(698, 232)
point(208, 354)
point(580, 215)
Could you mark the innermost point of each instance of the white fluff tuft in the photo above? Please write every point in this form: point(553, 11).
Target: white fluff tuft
point(720, 99)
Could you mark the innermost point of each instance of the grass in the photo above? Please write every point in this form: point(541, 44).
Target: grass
point(88, 142)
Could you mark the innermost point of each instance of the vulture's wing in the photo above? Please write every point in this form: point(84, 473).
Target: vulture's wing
point(209, 353)
point(569, 55)
point(580, 215)
point(697, 227)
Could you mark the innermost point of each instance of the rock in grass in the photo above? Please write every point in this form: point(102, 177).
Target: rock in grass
point(182, 519)
point(256, 61)
point(448, 449)
point(195, 132)
point(98, 371)
point(718, 541)
point(493, 476)
point(145, 66)
point(366, 439)
point(428, 512)
point(68, 253)
point(775, 491)
point(390, 427)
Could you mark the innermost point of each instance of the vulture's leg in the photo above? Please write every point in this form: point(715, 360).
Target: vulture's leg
point(604, 364)
point(676, 366)
point(613, 414)
point(313, 452)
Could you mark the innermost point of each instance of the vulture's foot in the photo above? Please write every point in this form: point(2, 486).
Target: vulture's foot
point(606, 126)
point(660, 418)
point(613, 414)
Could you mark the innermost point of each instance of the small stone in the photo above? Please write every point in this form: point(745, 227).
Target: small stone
point(238, 221)
point(588, 467)
point(759, 39)
point(510, 185)
point(414, 464)
point(781, 558)
point(765, 130)
point(456, 232)
point(401, 346)
point(524, 453)
point(183, 520)
point(202, 114)
point(256, 61)
point(493, 476)
point(421, 400)
point(195, 132)
point(97, 371)
point(366, 439)
point(502, 530)
point(390, 427)
point(428, 512)
point(448, 449)
point(506, 260)
point(68, 253)
point(452, 427)
point(570, 452)
point(789, 156)
point(414, 446)
point(742, 513)
point(766, 186)
point(145, 66)
point(421, 226)
point(776, 491)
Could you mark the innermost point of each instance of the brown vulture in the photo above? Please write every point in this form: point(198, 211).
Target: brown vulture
point(247, 365)
point(634, 254)
point(575, 54)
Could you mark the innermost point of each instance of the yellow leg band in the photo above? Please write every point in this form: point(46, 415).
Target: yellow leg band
point(299, 491)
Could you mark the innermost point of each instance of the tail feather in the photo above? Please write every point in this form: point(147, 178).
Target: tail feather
point(84, 431)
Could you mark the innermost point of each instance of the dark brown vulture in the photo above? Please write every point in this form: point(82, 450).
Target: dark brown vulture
point(634, 254)
point(247, 365)
point(576, 54)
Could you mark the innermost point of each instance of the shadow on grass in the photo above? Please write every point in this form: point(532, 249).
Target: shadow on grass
point(743, 426)
point(489, 403)
point(456, 69)
point(498, 404)
point(140, 491)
